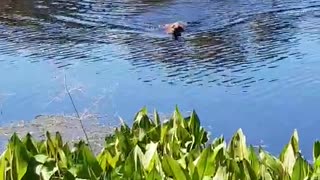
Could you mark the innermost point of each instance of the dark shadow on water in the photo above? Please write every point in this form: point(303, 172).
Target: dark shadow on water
point(224, 48)
point(224, 57)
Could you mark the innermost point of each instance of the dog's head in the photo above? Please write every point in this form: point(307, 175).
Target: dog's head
point(175, 29)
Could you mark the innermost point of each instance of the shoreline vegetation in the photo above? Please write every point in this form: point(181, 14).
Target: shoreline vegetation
point(178, 148)
point(68, 126)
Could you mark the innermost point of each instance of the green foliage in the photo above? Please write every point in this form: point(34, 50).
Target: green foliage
point(151, 149)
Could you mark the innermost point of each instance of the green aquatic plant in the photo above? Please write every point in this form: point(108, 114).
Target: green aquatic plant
point(178, 148)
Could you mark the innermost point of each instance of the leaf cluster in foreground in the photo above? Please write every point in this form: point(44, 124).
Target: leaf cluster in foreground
point(152, 150)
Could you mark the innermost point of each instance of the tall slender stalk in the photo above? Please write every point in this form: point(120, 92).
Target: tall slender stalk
point(76, 110)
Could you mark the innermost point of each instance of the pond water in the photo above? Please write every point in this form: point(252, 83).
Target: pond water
point(250, 64)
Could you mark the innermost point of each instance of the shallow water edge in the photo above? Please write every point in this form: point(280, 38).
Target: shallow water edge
point(69, 127)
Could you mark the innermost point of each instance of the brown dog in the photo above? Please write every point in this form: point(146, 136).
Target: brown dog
point(175, 29)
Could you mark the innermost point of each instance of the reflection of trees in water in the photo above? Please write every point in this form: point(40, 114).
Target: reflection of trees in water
point(4, 4)
point(200, 59)
point(55, 29)
point(270, 27)
point(226, 56)
point(17, 7)
point(273, 34)
point(75, 13)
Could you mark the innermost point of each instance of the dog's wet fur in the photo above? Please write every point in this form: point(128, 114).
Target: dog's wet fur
point(175, 29)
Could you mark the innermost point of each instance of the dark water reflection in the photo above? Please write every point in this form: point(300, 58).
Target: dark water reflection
point(246, 60)
point(236, 41)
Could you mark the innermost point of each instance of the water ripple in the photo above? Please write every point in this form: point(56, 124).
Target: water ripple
point(227, 46)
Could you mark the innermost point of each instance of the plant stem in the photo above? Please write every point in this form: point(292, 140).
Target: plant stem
point(76, 110)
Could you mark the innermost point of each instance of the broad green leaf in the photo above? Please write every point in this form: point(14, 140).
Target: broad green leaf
point(123, 142)
point(164, 133)
point(74, 170)
point(68, 176)
point(237, 147)
point(316, 151)
point(154, 134)
point(42, 146)
point(66, 149)
point(314, 177)
point(203, 136)
point(51, 149)
point(89, 160)
point(182, 162)
point(247, 169)
point(195, 174)
point(20, 157)
point(219, 148)
point(221, 173)
point(38, 169)
point(110, 143)
point(234, 170)
point(30, 144)
point(194, 126)
point(172, 168)
point(183, 135)
point(113, 160)
point(58, 140)
point(105, 160)
point(295, 142)
point(156, 118)
point(178, 119)
point(264, 173)
point(272, 163)
point(141, 135)
point(206, 163)
point(4, 162)
point(133, 162)
point(288, 155)
point(301, 169)
point(31, 173)
point(153, 175)
point(175, 149)
point(85, 165)
point(316, 165)
point(288, 158)
point(150, 156)
point(217, 142)
point(48, 170)
point(62, 160)
point(191, 167)
point(142, 120)
point(254, 160)
point(41, 158)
